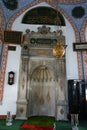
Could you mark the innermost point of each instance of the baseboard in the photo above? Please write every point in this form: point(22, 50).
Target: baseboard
point(5, 116)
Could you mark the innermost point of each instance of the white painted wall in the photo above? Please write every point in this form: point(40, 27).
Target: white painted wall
point(71, 56)
point(10, 91)
point(13, 62)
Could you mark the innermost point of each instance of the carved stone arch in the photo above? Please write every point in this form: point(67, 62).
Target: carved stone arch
point(46, 65)
point(42, 72)
point(42, 94)
point(56, 71)
point(55, 85)
point(42, 77)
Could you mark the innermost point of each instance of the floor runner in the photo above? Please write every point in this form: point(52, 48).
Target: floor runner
point(39, 123)
point(37, 127)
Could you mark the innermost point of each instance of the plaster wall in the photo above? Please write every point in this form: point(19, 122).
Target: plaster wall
point(10, 91)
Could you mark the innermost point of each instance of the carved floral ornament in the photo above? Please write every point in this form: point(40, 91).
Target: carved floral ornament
point(44, 36)
point(49, 16)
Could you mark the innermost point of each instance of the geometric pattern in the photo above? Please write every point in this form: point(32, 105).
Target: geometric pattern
point(2, 71)
point(4, 57)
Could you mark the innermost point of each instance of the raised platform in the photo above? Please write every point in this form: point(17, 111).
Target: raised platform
point(39, 123)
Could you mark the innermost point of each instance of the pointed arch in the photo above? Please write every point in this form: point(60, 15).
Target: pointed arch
point(43, 73)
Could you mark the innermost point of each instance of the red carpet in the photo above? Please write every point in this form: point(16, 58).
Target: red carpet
point(39, 123)
point(37, 127)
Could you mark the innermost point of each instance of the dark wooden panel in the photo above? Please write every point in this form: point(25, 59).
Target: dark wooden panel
point(77, 98)
point(12, 48)
point(73, 96)
point(12, 37)
point(80, 46)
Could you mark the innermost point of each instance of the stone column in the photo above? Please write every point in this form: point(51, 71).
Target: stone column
point(22, 90)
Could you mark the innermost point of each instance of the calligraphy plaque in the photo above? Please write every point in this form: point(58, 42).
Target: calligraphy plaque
point(12, 37)
point(80, 46)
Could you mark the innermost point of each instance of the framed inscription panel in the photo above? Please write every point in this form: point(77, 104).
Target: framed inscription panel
point(80, 46)
point(12, 37)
